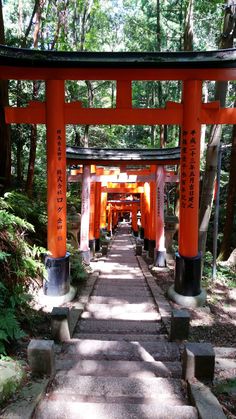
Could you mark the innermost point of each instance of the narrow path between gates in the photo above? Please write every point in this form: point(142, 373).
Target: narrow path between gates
point(119, 363)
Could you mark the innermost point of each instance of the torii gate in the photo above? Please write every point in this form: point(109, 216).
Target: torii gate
point(56, 67)
point(113, 182)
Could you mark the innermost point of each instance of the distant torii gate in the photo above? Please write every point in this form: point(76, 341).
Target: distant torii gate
point(112, 181)
point(56, 67)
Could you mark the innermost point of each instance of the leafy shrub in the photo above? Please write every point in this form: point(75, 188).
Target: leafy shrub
point(19, 260)
point(31, 210)
point(9, 326)
point(78, 271)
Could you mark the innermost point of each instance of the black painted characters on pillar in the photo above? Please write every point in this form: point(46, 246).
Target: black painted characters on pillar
point(188, 169)
point(60, 197)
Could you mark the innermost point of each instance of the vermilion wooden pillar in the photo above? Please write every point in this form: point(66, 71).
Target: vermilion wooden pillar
point(146, 215)
point(115, 220)
point(57, 264)
point(152, 219)
point(188, 260)
point(85, 214)
point(103, 220)
point(109, 219)
point(142, 210)
point(97, 215)
point(91, 219)
point(160, 251)
point(135, 219)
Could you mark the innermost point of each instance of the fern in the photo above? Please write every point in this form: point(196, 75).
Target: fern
point(3, 255)
point(9, 326)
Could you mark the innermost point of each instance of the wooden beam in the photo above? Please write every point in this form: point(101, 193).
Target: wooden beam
point(35, 113)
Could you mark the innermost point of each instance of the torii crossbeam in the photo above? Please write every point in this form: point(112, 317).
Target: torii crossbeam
point(56, 67)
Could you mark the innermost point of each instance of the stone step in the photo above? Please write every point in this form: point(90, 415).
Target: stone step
point(128, 282)
point(115, 268)
point(121, 337)
point(129, 299)
point(118, 389)
point(120, 350)
point(122, 276)
point(117, 308)
point(117, 326)
point(122, 287)
point(113, 292)
point(106, 314)
point(60, 408)
point(121, 368)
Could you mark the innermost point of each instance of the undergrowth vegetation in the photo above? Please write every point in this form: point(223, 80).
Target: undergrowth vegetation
point(23, 233)
point(20, 260)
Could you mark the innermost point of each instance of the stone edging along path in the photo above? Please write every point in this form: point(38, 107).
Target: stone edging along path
point(119, 362)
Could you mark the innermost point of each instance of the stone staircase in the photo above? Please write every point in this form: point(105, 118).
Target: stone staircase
point(119, 363)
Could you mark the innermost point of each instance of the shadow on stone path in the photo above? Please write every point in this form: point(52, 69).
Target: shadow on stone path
point(119, 363)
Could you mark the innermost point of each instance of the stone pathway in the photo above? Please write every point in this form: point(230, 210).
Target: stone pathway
point(119, 363)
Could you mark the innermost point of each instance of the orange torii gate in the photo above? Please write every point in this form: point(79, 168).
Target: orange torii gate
point(56, 67)
point(152, 229)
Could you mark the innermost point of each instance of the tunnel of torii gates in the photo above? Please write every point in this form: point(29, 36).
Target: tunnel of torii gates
point(192, 68)
point(98, 182)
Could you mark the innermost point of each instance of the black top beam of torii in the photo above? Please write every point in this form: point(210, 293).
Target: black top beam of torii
point(198, 59)
point(109, 156)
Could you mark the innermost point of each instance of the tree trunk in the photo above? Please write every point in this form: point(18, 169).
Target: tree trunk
point(5, 137)
point(188, 27)
point(33, 132)
point(231, 202)
point(215, 137)
point(32, 157)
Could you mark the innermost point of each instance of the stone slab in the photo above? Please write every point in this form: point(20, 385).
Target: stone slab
point(122, 315)
point(75, 314)
point(86, 388)
point(60, 319)
point(121, 368)
point(120, 350)
point(131, 281)
point(122, 283)
point(179, 328)
point(49, 409)
point(129, 299)
point(127, 337)
point(198, 361)
point(206, 403)
point(122, 276)
point(27, 400)
point(115, 292)
point(129, 326)
point(117, 308)
point(225, 352)
point(41, 356)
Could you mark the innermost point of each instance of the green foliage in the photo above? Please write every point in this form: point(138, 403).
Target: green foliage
point(78, 271)
point(19, 259)
point(225, 273)
point(9, 325)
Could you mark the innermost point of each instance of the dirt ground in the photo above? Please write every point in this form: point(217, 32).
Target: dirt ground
point(214, 323)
